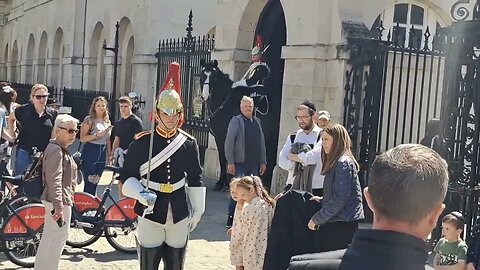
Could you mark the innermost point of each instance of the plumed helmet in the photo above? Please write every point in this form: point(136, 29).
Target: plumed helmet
point(258, 49)
point(169, 100)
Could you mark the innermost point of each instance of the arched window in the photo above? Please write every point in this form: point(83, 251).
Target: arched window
point(402, 17)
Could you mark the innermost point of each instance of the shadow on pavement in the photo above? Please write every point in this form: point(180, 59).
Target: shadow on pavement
point(79, 254)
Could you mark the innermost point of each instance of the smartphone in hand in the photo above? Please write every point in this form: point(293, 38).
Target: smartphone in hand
point(60, 222)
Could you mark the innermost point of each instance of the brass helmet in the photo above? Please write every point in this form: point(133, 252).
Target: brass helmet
point(169, 100)
point(258, 49)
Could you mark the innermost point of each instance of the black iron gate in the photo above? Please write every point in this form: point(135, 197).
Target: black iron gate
point(461, 115)
point(188, 51)
point(392, 89)
point(395, 86)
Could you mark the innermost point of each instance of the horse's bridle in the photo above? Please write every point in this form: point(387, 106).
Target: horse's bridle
point(220, 107)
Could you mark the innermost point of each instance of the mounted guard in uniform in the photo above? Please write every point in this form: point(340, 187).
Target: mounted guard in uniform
point(162, 172)
point(256, 75)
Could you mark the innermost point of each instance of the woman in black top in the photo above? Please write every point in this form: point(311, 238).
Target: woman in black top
point(37, 123)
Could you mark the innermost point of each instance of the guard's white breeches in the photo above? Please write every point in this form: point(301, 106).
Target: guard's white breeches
point(152, 234)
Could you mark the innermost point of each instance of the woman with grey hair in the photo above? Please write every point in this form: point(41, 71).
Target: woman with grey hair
point(60, 177)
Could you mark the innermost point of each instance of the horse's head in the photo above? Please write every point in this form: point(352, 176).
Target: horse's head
point(210, 78)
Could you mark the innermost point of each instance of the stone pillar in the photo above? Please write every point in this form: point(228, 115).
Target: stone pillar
point(52, 71)
point(72, 72)
point(3, 71)
point(40, 70)
point(23, 71)
point(109, 62)
point(144, 68)
point(89, 79)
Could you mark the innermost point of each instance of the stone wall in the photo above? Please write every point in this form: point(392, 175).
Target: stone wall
point(146, 21)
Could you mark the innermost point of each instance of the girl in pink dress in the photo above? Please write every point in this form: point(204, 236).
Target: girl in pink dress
point(256, 219)
point(235, 232)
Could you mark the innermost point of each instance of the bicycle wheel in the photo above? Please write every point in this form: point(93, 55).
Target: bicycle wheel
point(122, 238)
point(22, 253)
point(79, 237)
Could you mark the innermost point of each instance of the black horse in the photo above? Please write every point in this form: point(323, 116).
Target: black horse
point(223, 103)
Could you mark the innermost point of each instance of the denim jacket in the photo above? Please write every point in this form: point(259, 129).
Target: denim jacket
point(342, 194)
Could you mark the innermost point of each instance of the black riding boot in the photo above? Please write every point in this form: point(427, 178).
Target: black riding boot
point(150, 257)
point(174, 258)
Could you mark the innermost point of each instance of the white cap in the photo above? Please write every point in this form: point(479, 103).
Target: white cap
point(324, 115)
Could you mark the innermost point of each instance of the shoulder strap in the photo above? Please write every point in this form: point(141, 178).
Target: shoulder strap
point(319, 137)
point(292, 137)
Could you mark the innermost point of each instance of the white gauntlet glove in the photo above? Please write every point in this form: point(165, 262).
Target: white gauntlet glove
point(197, 197)
point(132, 188)
point(239, 83)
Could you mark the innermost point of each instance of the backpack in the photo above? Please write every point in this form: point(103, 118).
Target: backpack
point(34, 184)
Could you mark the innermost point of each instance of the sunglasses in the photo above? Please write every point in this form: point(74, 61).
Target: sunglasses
point(41, 96)
point(70, 131)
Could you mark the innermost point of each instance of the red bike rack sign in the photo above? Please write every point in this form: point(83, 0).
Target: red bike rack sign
point(32, 215)
point(84, 202)
point(127, 206)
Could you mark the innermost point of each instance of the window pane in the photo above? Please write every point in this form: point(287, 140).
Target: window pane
point(416, 38)
point(399, 36)
point(416, 16)
point(400, 13)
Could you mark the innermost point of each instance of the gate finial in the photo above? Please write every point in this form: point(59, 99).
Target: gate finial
point(476, 11)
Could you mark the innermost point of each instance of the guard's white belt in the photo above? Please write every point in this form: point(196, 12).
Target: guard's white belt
point(164, 187)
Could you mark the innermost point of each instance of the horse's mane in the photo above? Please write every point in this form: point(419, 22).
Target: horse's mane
point(225, 77)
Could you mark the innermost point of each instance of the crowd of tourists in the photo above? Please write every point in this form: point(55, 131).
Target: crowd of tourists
point(37, 126)
point(313, 223)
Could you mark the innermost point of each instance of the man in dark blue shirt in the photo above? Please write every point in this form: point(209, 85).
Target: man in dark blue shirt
point(124, 131)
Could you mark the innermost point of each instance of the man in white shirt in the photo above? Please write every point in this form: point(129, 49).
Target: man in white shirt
point(309, 133)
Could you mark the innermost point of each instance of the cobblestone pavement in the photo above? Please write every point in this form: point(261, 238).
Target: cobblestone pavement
point(207, 248)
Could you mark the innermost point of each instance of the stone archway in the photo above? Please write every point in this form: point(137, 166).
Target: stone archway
point(56, 75)
point(96, 69)
point(127, 47)
point(14, 63)
point(128, 66)
point(272, 27)
point(4, 64)
point(42, 55)
point(29, 63)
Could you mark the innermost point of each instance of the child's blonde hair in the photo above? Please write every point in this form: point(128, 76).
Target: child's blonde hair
point(248, 182)
point(234, 182)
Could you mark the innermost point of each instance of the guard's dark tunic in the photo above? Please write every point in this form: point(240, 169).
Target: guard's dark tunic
point(257, 75)
point(185, 161)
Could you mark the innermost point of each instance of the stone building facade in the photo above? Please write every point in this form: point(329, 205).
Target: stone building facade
point(59, 42)
point(313, 55)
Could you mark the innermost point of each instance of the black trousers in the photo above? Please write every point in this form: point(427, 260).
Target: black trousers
point(334, 236)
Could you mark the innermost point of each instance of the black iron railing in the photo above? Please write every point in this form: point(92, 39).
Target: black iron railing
point(188, 51)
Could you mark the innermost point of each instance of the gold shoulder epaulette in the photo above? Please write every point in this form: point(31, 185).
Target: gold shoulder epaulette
point(141, 134)
point(186, 134)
